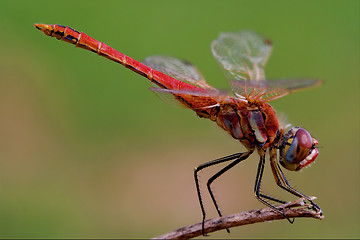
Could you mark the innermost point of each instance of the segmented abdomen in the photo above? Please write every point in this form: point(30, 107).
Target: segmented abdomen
point(197, 103)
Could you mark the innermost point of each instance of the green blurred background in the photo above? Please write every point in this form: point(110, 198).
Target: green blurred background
point(87, 151)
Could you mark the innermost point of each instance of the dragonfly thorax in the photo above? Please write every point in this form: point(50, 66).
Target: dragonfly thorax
point(254, 125)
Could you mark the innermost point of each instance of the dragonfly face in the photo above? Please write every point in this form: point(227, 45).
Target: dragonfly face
point(297, 149)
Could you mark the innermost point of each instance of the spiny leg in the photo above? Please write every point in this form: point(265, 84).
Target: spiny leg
point(263, 195)
point(272, 198)
point(208, 164)
point(282, 182)
point(260, 196)
point(218, 174)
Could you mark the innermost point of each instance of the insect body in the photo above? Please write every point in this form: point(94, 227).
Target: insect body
point(247, 116)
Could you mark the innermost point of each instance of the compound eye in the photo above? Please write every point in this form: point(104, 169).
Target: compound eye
point(304, 138)
point(300, 147)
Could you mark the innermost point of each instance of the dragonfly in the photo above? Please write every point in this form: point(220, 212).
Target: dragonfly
point(246, 115)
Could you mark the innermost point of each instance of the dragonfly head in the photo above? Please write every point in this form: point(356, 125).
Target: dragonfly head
point(297, 149)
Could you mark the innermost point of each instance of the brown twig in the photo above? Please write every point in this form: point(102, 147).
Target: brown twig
point(293, 209)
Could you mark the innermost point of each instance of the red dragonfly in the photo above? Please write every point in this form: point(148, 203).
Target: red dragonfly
point(246, 116)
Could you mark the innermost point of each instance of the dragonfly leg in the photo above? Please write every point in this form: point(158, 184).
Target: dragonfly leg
point(261, 197)
point(282, 182)
point(272, 198)
point(219, 173)
point(238, 156)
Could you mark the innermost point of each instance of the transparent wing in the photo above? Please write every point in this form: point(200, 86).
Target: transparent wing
point(271, 90)
point(242, 54)
point(178, 69)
